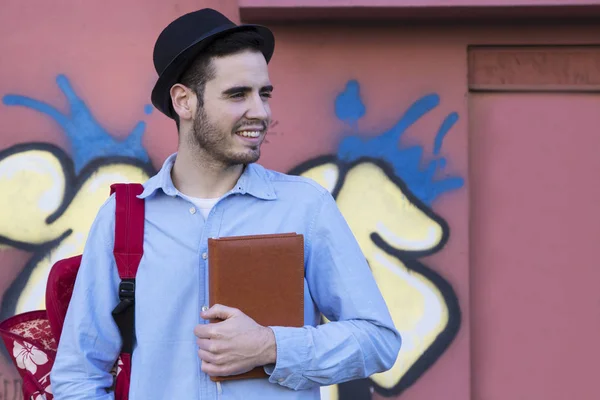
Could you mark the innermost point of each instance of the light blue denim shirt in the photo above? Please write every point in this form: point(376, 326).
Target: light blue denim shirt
point(171, 288)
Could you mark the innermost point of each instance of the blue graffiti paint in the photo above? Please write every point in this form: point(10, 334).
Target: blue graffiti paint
point(348, 104)
point(448, 123)
point(406, 161)
point(88, 139)
point(148, 108)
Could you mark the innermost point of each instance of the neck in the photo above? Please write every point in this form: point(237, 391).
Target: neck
point(195, 175)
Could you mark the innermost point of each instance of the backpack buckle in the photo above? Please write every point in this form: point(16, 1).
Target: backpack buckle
point(127, 289)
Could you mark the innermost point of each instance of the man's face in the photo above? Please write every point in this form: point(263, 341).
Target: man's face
point(232, 124)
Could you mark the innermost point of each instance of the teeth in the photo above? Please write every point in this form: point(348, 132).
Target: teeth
point(252, 134)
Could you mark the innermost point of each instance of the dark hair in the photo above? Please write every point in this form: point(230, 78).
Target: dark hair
point(201, 69)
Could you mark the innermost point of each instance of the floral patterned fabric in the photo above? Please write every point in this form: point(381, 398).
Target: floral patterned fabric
point(32, 347)
point(36, 330)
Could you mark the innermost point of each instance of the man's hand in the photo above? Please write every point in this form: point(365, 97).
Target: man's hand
point(234, 346)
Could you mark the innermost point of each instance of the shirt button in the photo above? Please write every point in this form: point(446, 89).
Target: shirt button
point(205, 308)
point(193, 210)
point(280, 380)
point(204, 256)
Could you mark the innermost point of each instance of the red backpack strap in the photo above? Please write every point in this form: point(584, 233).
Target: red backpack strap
point(129, 228)
point(128, 251)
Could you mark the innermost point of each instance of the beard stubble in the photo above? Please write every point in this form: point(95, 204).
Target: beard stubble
point(216, 144)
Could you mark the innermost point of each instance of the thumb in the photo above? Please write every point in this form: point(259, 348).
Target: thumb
point(219, 311)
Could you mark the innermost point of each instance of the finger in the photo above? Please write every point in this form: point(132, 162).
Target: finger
point(208, 357)
point(219, 311)
point(208, 331)
point(201, 331)
point(209, 345)
point(208, 368)
point(211, 369)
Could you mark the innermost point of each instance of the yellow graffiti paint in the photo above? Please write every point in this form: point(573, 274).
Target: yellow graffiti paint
point(326, 175)
point(417, 307)
point(34, 184)
point(372, 203)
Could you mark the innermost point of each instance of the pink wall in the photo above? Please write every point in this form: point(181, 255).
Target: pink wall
point(466, 256)
point(534, 231)
point(535, 236)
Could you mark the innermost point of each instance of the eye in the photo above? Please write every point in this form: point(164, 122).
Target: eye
point(237, 95)
point(267, 94)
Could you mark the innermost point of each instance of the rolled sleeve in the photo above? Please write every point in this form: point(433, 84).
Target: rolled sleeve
point(293, 352)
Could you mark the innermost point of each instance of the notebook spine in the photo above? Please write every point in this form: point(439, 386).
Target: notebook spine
point(212, 274)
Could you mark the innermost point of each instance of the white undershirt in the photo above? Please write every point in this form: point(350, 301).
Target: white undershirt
point(204, 205)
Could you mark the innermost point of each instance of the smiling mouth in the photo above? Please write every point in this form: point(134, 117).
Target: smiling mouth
point(251, 134)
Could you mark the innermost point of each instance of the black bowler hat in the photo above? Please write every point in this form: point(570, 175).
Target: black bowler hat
point(183, 39)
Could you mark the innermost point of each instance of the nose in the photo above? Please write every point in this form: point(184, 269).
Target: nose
point(258, 109)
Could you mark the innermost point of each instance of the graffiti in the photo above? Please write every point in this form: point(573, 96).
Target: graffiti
point(348, 105)
point(384, 192)
point(87, 137)
point(423, 305)
point(49, 199)
point(406, 161)
point(384, 189)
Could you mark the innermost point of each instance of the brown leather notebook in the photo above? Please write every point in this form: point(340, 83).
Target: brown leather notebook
point(261, 275)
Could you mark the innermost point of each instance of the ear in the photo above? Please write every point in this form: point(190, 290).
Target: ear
point(183, 100)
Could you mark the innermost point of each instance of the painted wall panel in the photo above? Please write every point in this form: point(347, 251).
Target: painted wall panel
point(534, 233)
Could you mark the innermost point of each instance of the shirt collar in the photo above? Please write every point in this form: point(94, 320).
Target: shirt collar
point(253, 181)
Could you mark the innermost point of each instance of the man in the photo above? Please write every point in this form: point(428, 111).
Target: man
point(214, 81)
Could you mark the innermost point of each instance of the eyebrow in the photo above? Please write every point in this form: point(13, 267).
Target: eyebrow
point(246, 89)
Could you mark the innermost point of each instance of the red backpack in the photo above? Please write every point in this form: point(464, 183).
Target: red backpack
point(31, 338)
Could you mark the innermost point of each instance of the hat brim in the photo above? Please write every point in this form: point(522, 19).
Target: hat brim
point(161, 97)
